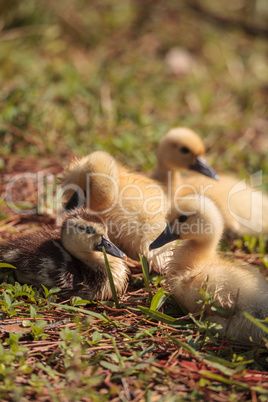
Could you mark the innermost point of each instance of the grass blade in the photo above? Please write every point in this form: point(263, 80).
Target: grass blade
point(80, 310)
point(6, 265)
point(145, 271)
point(111, 280)
point(256, 322)
point(159, 299)
point(166, 319)
point(220, 378)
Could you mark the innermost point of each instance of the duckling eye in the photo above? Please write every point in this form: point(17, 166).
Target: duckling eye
point(182, 218)
point(185, 150)
point(90, 230)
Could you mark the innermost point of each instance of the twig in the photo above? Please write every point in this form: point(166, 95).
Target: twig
point(249, 28)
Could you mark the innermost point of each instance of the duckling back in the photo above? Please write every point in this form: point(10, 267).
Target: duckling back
point(244, 208)
point(37, 256)
point(98, 175)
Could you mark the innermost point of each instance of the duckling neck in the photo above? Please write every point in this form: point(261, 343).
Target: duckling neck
point(192, 253)
point(168, 177)
point(90, 258)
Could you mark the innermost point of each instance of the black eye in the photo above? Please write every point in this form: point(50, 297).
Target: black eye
point(183, 218)
point(185, 150)
point(90, 230)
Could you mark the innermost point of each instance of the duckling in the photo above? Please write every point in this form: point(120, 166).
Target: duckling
point(197, 221)
point(180, 149)
point(133, 206)
point(69, 257)
point(243, 208)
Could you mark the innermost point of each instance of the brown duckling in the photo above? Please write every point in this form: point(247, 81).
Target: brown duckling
point(69, 257)
point(197, 222)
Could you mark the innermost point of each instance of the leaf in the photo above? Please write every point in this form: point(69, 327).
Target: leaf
point(48, 292)
point(265, 261)
point(40, 324)
point(54, 290)
point(32, 312)
point(7, 299)
point(6, 265)
point(26, 323)
point(78, 301)
point(109, 366)
point(96, 337)
point(159, 299)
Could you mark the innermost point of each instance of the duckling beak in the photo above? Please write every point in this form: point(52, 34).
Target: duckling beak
point(203, 167)
point(110, 248)
point(165, 237)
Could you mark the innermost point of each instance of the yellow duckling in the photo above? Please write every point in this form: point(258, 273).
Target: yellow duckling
point(133, 206)
point(180, 149)
point(195, 264)
point(242, 207)
point(70, 258)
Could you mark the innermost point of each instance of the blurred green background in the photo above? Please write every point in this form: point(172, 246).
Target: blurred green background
point(77, 76)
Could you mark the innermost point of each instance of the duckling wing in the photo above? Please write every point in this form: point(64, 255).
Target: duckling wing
point(23, 251)
point(40, 259)
point(89, 284)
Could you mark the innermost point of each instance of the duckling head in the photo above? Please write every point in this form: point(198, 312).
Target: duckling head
point(96, 177)
point(194, 218)
point(84, 233)
point(181, 148)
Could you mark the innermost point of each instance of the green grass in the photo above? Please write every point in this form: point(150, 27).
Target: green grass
point(77, 76)
point(96, 77)
point(69, 352)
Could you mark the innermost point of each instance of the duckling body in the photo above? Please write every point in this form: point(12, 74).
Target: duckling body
point(196, 264)
point(69, 258)
point(133, 206)
point(244, 209)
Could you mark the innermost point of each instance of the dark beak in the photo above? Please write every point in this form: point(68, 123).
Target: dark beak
point(110, 248)
point(165, 237)
point(203, 167)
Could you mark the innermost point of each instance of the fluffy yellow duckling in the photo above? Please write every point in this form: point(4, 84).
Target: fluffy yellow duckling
point(242, 207)
point(180, 149)
point(195, 264)
point(133, 206)
point(70, 258)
